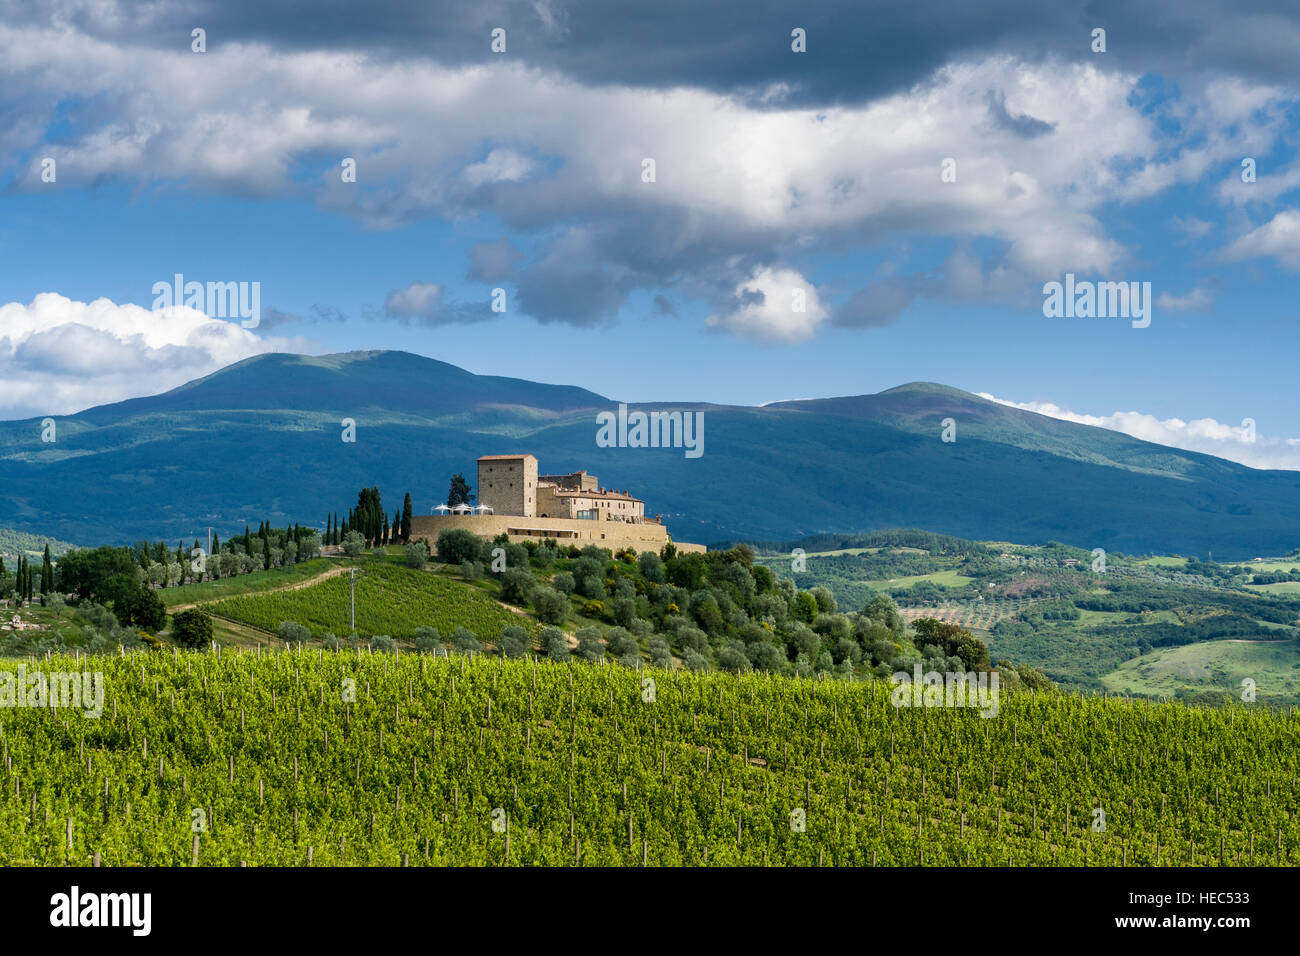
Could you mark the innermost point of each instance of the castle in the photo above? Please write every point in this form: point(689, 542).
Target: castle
point(571, 509)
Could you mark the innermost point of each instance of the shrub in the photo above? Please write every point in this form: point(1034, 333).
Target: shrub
point(415, 554)
point(593, 608)
point(621, 643)
point(733, 658)
point(652, 568)
point(428, 640)
point(457, 545)
point(766, 657)
point(624, 609)
point(514, 641)
point(383, 643)
point(465, 641)
point(551, 606)
point(517, 584)
point(564, 583)
point(590, 647)
point(471, 570)
point(292, 632)
point(353, 544)
point(192, 628)
point(555, 643)
point(695, 661)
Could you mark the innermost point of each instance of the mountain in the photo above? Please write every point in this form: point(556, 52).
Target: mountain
point(263, 438)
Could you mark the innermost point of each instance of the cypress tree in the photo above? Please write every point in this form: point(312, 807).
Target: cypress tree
point(406, 518)
point(47, 572)
point(248, 541)
point(216, 543)
point(266, 553)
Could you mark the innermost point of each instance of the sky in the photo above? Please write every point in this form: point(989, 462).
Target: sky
point(884, 205)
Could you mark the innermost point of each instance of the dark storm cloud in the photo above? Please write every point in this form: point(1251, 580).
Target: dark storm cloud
point(854, 51)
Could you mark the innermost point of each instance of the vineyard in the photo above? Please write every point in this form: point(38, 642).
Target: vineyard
point(980, 615)
point(348, 757)
point(390, 599)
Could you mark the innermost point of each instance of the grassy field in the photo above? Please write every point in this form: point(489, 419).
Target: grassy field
point(1164, 561)
point(947, 579)
point(1281, 587)
point(1211, 666)
point(250, 583)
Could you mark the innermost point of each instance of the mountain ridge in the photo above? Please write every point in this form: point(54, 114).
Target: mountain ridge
point(261, 439)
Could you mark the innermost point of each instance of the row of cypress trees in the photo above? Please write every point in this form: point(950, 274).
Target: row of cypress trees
point(370, 521)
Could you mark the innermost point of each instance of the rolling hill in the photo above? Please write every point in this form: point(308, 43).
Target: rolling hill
point(262, 439)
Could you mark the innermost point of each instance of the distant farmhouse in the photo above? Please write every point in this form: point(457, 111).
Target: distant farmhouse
point(570, 509)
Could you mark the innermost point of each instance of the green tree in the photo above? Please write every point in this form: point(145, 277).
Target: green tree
point(555, 643)
point(517, 584)
point(47, 572)
point(192, 628)
point(514, 641)
point(551, 606)
point(459, 493)
point(457, 545)
point(406, 518)
point(353, 543)
point(415, 554)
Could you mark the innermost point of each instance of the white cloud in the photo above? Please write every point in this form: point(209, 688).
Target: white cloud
point(419, 300)
point(1278, 238)
point(540, 151)
point(1196, 300)
point(500, 166)
point(1204, 435)
point(58, 356)
point(765, 308)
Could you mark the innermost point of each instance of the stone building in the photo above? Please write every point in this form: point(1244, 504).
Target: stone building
point(516, 500)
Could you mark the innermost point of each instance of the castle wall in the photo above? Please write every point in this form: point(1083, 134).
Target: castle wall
point(614, 535)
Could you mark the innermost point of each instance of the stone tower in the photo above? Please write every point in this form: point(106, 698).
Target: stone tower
point(508, 484)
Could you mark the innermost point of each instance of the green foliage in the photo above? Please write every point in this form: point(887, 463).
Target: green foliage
point(427, 640)
point(292, 633)
point(192, 628)
point(517, 584)
point(555, 644)
point(353, 544)
point(457, 545)
point(515, 642)
point(415, 554)
point(550, 606)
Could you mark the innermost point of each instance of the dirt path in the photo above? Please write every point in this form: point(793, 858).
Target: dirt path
point(298, 585)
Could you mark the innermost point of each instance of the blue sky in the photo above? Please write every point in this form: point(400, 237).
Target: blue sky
point(776, 172)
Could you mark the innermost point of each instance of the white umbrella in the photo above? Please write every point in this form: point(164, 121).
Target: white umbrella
point(482, 508)
point(443, 508)
point(462, 509)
